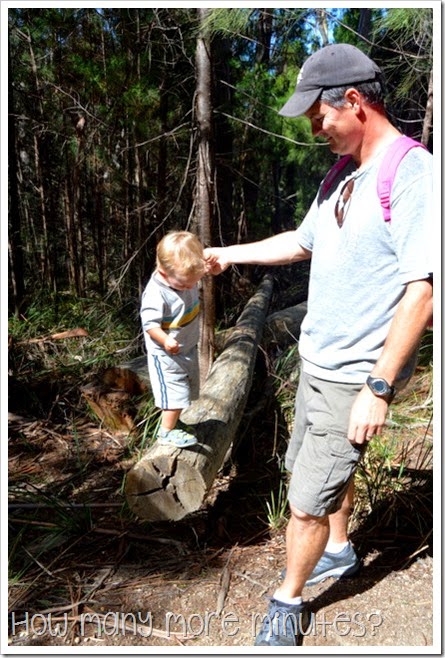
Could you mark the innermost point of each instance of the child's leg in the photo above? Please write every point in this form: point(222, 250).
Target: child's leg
point(171, 388)
point(169, 418)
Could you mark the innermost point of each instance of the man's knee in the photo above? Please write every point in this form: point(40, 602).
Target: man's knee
point(303, 518)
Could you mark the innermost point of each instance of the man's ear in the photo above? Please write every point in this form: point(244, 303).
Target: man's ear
point(353, 98)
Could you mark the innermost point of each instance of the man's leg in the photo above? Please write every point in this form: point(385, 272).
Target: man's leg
point(322, 462)
point(306, 538)
point(338, 532)
point(339, 558)
point(339, 520)
point(288, 618)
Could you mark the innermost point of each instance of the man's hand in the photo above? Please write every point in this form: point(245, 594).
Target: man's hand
point(216, 259)
point(171, 345)
point(367, 417)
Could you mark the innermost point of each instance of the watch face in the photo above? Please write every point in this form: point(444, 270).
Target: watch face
point(380, 386)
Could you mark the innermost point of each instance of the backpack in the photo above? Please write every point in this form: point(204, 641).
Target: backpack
point(385, 177)
point(395, 153)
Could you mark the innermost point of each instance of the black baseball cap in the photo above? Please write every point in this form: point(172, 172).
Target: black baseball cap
point(332, 66)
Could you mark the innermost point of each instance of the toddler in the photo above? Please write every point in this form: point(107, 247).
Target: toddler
point(170, 320)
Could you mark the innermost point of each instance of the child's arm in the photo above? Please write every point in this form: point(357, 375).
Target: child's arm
point(170, 344)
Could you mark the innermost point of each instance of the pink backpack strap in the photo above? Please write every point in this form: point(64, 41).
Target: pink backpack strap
point(333, 173)
point(396, 152)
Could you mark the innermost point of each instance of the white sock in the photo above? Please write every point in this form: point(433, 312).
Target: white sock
point(335, 547)
point(284, 599)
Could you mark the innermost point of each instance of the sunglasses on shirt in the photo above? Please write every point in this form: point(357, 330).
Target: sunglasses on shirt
point(342, 204)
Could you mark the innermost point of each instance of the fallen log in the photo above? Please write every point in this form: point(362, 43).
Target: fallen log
point(167, 483)
point(111, 395)
point(283, 327)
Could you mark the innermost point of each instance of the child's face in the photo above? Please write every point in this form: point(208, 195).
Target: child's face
point(178, 282)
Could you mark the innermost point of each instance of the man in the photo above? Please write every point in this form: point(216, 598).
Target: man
point(370, 299)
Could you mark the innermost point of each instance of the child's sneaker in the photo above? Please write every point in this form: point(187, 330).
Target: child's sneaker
point(176, 438)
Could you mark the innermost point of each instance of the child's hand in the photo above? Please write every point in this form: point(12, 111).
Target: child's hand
point(171, 345)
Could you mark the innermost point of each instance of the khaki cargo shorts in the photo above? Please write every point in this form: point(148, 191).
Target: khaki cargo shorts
point(319, 456)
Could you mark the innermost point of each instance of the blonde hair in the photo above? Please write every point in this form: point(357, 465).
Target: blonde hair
point(180, 252)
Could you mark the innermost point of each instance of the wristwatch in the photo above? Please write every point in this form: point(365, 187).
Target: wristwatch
point(381, 388)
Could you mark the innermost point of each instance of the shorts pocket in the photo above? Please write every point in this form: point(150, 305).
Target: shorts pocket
point(342, 448)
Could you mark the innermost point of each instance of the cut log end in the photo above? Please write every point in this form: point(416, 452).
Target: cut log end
point(164, 487)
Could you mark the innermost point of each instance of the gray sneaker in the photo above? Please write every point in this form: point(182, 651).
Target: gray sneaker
point(176, 438)
point(284, 625)
point(333, 565)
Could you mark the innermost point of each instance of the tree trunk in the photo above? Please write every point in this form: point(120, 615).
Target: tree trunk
point(283, 327)
point(204, 201)
point(167, 483)
point(265, 25)
point(15, 231)
point(364, 23)
point(428, 118)
point(322, 24)
point(40, 157)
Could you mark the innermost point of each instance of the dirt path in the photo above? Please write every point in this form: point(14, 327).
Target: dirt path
point(89, 575)
point(217, 598)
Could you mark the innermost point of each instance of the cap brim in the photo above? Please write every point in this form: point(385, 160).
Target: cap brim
point(299, 103)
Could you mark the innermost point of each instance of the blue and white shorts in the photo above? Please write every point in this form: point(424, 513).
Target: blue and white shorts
point(174, 378)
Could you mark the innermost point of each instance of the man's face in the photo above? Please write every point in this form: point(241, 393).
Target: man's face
point(339, 126)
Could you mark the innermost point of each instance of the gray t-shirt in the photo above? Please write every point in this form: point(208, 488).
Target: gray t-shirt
point(359, 272)
point(176, 311)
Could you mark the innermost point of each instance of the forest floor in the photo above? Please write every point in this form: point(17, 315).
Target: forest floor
point(85, 573)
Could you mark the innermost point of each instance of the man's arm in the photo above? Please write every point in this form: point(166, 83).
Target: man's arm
point(410, 320)
point(412, 316)
point(279, 249)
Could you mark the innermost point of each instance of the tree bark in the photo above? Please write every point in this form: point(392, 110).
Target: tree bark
point(110, 394)
point(364, 23)
point(16, 260)
point(167, 483)
point(428, 118)
point(265, 31)
point(283, 327)
point(204, 201)
point(322, 24)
